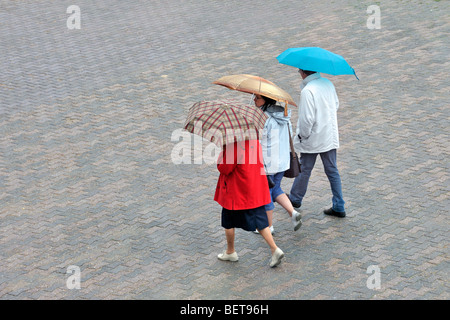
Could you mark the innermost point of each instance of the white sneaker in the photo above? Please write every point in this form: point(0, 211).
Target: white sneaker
point(228, 257)
point(296, 220)
point(276, 258)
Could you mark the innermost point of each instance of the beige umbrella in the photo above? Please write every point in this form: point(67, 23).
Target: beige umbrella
point(256, 85)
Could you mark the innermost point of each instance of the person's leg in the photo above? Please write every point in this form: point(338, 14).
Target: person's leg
point(270, 217)
point(270, 206)
point(330, 167)
point(296, 217)
point(277, 193)
point(283, 201)
point(300, 185)
point(267, 235)
point(230, 253)
point(229, 234)
point(277, 253)
point(274, 192)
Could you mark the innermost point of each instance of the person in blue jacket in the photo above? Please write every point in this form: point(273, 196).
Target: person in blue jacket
point(276, 155)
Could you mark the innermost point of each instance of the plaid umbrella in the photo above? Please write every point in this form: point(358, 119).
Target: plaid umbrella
point(223, 122)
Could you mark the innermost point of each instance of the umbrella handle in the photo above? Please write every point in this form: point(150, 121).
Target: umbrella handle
point(286, 109)
point(251, 99)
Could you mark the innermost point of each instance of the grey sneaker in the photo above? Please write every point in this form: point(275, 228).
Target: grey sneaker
point(276, 258)
point(228, 257)
point(297, 220)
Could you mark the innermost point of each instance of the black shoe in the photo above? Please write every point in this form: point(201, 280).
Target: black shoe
point(294, 204)
point(331, 212)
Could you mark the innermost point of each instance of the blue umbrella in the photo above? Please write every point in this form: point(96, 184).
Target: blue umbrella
point(316, 59)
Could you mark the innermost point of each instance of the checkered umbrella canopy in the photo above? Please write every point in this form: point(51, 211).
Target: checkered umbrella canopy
point(223, 122)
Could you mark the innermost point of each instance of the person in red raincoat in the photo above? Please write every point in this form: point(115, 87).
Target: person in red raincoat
point(242, 191)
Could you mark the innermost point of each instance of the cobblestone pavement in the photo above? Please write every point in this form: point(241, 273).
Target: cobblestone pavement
point(90, 118)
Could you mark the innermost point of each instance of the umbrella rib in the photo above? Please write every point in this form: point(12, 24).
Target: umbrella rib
point(239, 124)
point(215, 120)
point(216, 130)
point(209, 117)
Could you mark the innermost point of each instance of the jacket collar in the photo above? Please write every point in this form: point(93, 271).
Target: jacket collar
point(310, 78)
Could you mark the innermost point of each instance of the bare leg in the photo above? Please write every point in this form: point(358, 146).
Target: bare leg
point(229, 234)
point(284, 201)
point(267, 235)
point(270, 217)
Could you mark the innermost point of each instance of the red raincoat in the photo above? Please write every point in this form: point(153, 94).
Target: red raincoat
point(242, 182)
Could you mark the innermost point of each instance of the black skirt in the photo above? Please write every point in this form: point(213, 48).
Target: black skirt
point(249, 220)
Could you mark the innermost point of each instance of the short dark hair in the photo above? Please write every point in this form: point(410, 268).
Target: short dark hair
point(268, 102)
point(307, 72)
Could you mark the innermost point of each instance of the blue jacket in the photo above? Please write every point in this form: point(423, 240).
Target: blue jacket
point(275, 140)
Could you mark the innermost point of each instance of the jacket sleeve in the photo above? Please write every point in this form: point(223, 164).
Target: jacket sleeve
point(226, 163)
point(306, 114)
point(337, 100)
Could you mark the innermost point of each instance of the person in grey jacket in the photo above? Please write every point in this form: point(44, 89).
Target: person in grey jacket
point(317, 134)
point(276, 155)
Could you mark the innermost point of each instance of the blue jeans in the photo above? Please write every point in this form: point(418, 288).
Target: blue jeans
point(308, 160)
point(276, 190)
